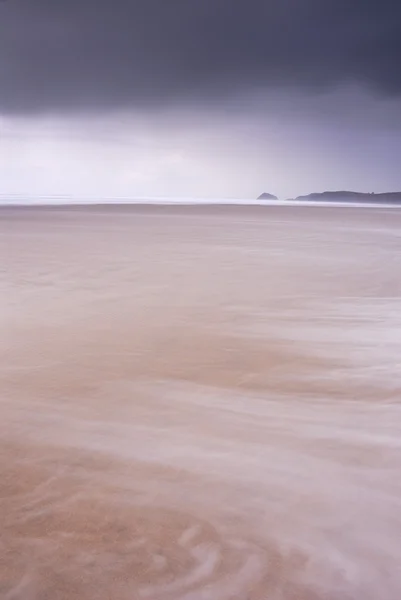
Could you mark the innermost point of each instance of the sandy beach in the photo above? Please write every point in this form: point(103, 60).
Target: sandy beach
point(200, 403)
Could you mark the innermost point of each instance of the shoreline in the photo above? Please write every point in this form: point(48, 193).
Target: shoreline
point(194, 204)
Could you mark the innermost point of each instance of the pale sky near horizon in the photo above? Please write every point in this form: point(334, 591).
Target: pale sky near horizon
point(222, 99)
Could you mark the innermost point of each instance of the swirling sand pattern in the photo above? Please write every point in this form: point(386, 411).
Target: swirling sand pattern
point(80, 546)
point(200, 404)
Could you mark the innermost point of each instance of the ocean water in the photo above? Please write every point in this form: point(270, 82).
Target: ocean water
point(200, 403)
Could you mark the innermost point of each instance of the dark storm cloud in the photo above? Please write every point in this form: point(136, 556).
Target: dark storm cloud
point(88, 54)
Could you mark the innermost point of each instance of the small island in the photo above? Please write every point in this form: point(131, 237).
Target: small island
point(266, 196)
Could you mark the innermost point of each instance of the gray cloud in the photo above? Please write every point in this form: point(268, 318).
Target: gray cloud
point(66, 55)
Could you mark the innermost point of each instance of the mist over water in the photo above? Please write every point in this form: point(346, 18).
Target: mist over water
point(200, 403)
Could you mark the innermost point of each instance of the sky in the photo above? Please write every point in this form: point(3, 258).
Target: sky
point(199, 98)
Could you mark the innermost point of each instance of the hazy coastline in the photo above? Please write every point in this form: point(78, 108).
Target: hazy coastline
point(188, 202)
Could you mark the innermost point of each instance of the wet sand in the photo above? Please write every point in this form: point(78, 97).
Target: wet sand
point(200, 403)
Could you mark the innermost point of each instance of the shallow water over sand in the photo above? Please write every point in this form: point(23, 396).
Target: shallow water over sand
point(200, 403)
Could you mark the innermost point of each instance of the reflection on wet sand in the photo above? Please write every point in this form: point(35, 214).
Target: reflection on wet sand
point(200, 404)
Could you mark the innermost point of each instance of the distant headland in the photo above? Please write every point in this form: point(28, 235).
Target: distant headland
point(344, 196)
